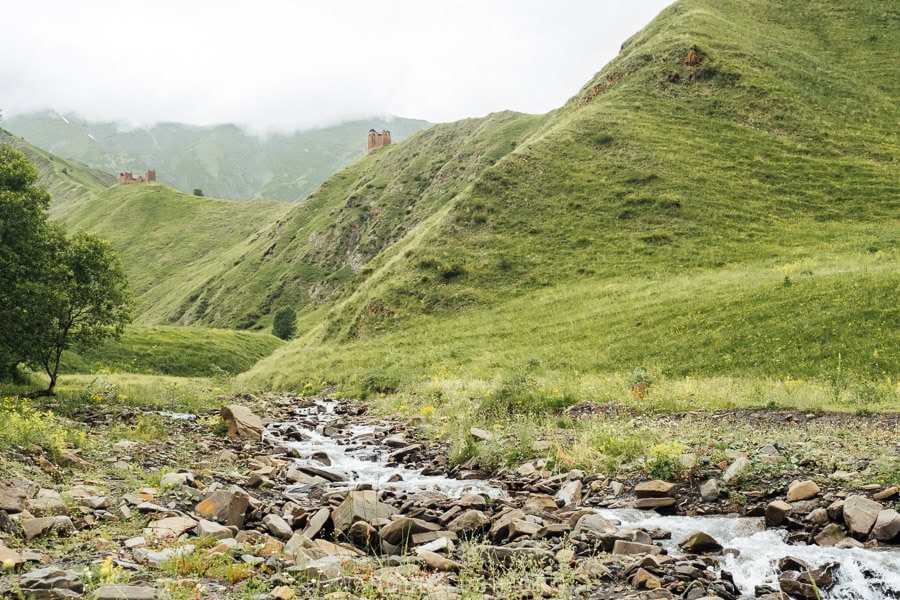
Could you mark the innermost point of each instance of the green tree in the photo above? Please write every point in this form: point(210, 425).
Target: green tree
point(285, 324)
point(198, 192)
point(84, 301)
point(27, 243)
point(54, 292)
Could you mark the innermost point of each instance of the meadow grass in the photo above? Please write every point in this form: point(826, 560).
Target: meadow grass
point(170, 350)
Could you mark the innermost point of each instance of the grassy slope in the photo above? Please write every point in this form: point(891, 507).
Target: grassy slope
point(223, 160)
point(67, 181)
point(172, 244)
point(738, 219)
point(179, 351)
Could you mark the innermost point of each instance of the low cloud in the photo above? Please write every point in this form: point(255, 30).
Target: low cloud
point(281, 65)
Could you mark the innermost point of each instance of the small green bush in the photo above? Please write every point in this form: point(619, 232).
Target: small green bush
point(665, 461)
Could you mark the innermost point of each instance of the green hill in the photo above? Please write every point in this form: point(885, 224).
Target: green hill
point(66, 180)
point(172, 244)
point(223, 160)
point(721, 199)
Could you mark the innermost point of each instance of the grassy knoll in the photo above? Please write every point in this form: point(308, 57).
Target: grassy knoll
point(172, 244)
point(176, 351)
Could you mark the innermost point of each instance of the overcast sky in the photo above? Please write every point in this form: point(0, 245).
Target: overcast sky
point(283, 64)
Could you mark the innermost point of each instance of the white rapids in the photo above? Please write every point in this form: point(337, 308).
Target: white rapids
point(361, 462)
point(862, 574)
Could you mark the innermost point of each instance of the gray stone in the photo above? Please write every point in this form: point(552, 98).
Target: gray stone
point(469, 522)
point(777, 513)
point(242, 423)
point(398, 531)
point(12, 499)
point(48, 503)
point(887, 526)
point(831, 535)
point(860, 514)
point(802, 490)
point(570, 493)
point(52, 578)
point(213, 530)
point(124, 592)
point(632, 548)
point(225, 506)
point(317, 522)
point(360, 505)
point(700, 542)
point(438, 562)
point(710, 490)
point(654, 489)
point(278, 526)
point(736, 469)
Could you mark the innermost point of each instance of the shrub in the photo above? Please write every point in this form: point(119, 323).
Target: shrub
point(285, 324)
point(24, 428)
point(520, 394)
point(665, 461)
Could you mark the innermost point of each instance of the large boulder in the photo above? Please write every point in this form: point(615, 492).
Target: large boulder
point(242, 423)
point(860, 515)
point(654, 489)
point(699, 542)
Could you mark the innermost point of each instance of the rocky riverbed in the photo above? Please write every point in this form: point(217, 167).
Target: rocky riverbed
point(313, 498)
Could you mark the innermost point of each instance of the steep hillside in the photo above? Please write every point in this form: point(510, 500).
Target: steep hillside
point(172, 244)
point(67, 181)
point(722, 198)
point(224, 160)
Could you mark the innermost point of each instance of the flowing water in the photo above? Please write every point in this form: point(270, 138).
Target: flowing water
point(862, 574)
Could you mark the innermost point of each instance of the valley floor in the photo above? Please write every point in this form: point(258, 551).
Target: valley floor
point(82, 484)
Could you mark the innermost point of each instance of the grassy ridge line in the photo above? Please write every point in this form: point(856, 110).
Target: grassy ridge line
point(175, 351)
point(330, 244)
point(67, 181)
point(778, 149)
point(172, 244)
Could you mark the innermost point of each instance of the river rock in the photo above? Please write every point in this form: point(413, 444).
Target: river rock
point(538, 503)
point(242, 423)
point(51, 578)
point(802, 490)
point(363, 535)
point(318, 522)
point(887, 493)
point(124, 592)
point(657, 503)
point(710, 490)
point(438, 562)
point(327, 567)
point(593, 526)
point(700, 542)
point(359, 505)
point(278, 526)
point(32, 528)
point(632, 548)
point(12, 499)
point(469, 522)
point(887, 526)
point(736, 468)
point(7, 554)
point(48, 503)
point(777, 512)
point(213, 530)
point(570, 493)
point(831, 535)
point(818, 517)
point(398, 531)
point(225, 506)
point(654, 489)
point(860, 514)
point(170, 527)
point(500, 527)
point(645, 580)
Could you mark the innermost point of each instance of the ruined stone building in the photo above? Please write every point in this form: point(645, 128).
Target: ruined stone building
point(377, 140)
point(128, 177)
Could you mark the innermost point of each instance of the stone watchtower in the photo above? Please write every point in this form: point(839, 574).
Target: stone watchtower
point(377, 140)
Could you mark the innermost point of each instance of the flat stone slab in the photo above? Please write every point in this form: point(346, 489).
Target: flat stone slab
point(124, 592)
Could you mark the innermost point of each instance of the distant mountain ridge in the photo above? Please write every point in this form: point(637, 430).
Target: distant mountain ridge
point(224, 161)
